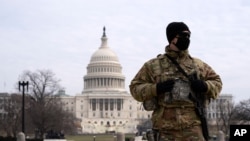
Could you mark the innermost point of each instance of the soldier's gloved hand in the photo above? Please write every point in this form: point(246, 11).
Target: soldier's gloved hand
point(165, 86)
point(199, 86)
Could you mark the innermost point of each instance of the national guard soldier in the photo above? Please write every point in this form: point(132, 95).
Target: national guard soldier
point(176, 87)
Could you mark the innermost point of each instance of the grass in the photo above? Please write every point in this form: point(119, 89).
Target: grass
point(98, 137)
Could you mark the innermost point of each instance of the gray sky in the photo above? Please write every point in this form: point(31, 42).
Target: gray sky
point(61, 35)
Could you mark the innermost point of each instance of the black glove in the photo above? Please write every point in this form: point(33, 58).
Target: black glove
point(165, 86)
point(199, 86)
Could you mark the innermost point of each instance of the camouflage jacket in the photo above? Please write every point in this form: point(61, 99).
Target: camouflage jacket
point(177, 114)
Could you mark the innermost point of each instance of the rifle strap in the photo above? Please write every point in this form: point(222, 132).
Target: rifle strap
point(177, 65)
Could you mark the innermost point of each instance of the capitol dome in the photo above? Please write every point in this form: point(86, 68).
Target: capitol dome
point(104, 72)
point(104, 53)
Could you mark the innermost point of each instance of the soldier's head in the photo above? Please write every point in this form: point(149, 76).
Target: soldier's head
point(178, 34)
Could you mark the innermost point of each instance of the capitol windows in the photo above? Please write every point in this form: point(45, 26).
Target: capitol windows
point(101, 104)
point(93, 104)
point(111, 104)
point(106, 104)
point(108, 124)
point(218, 115)
point(119, 104)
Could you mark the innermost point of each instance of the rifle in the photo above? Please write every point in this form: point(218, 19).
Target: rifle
point(200, 109)
point(197, 98)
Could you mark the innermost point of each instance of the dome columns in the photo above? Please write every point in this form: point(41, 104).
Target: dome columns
point(96, 83)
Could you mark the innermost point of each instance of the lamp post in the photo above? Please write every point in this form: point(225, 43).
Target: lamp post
point(22, 86)
point(94, 138)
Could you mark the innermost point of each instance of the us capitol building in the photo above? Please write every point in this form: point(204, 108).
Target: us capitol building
point(104, 105)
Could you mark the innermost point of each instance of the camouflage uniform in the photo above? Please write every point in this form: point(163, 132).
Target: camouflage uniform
point(176, 120)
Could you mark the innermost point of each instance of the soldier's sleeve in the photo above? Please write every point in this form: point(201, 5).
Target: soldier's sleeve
point(142, 87)
point(212, 79)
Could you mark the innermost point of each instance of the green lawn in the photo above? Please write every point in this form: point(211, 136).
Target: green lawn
point(98, 137)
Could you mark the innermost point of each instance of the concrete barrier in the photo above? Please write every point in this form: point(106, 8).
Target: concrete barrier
point(120, 136)
point(221, 136)
point(20, 136)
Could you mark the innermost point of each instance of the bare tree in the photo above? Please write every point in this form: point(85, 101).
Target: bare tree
point(242, 112)
point(225, 112)
point(45, 109)
point(144, 124)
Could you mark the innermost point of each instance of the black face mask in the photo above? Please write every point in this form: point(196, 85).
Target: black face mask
point(182, 43)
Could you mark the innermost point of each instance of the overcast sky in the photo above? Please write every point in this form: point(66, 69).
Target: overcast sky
point(61, 35)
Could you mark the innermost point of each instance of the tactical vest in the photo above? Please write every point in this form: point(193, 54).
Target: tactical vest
point(163, 69)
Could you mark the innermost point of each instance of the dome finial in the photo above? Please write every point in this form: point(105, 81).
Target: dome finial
point(104, 39)
point(104, 34)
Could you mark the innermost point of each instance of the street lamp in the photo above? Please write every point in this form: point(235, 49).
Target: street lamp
point(93, 138)
point(22, 86)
